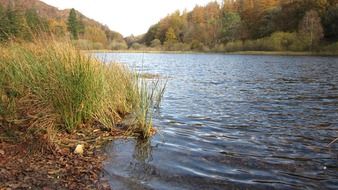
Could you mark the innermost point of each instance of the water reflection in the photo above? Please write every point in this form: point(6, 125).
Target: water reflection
point(133, 169)
point(142, 151)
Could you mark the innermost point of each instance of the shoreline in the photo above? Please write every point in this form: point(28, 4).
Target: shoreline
point(58, 110)
point(37, 164)
point(279, 53)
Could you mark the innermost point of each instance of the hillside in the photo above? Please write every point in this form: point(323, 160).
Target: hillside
point(249, 25)
point(94, 35)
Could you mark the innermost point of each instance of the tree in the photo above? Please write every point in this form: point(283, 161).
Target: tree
point(118, 45)
point(13, 19)
point(229, 6)
point(35, 22)
point(80, 26)
point(13, 25)
point(311, 26)
point(170, 36)
point(58, 27)
point(3, 24)
point(151, 34)
point(95, 34)
point(248, 19)
point(330, 23)
point(73, 25)
point(231, 23)
point(267, 23)
point(213, 14)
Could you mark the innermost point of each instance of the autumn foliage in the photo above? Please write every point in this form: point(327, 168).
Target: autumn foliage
point(295, 25)
point(26, 20)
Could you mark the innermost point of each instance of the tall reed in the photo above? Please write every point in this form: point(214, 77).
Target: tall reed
point(51, 84)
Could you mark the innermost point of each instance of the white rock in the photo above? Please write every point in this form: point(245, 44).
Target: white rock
point(79, 149)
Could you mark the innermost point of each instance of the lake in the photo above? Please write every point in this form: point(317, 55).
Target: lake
point(234, 122)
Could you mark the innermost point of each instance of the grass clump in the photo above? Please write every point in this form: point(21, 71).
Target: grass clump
point(53, 85)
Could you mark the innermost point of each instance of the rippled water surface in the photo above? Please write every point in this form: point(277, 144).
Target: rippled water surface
point(234, 122)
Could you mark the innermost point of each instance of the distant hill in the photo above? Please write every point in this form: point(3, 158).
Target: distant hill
point(104, 37)
point(43, 9)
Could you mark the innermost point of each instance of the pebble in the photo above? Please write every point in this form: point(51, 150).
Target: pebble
point(79, 149)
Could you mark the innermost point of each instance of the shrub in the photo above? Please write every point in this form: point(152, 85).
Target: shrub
point(234, 46)
point(136, 46)
point(279, 41)
point(196, 45)
point(219, 48)
point(118, 45)
point(182, 47)
point(83, 44)
point(248, 45)
point(98, 45)
point(176, 46)
point(332, 48)
point(155, 43)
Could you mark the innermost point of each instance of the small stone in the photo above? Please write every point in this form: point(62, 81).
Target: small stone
point(2, 152)
point(79, 149)
point(105, 186)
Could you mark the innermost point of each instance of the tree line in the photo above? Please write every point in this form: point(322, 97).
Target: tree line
point(236, 25)
point(26, 24)
point(233, 25)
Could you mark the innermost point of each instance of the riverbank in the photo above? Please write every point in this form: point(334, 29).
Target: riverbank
point(37, 164)
point(282, 53)
point(58, 106)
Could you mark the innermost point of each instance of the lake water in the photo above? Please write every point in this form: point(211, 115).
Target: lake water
point(234, 122)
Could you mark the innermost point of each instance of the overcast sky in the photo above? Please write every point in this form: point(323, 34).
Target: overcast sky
point(127, 16)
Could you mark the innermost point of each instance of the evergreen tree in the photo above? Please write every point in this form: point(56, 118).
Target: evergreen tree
point(73, 25)
point(12, 25)
point(13, 20)
point(3, 24)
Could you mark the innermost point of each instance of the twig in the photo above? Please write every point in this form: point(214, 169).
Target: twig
point(331, 143)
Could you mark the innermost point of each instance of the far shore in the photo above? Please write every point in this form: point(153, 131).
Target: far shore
point(282, 53)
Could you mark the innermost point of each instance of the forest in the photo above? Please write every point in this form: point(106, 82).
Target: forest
point(246, 25)
point(25, 20)
point(229, 26)
point(73, 118)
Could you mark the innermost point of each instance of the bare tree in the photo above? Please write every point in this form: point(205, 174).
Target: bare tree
point(312, 27)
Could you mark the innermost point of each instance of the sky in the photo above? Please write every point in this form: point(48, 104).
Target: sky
point(127, 16)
